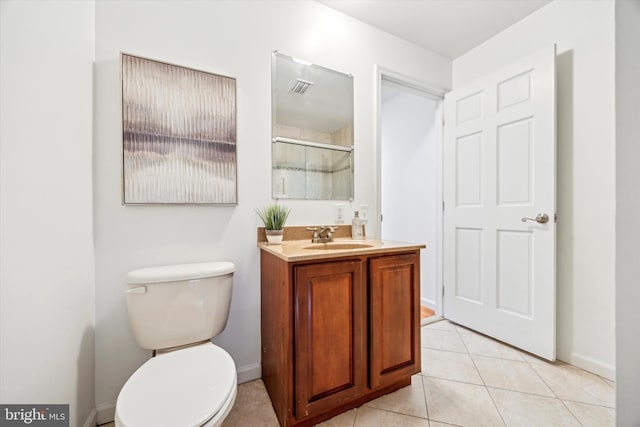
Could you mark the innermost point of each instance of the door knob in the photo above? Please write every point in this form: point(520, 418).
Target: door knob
point(540, 219)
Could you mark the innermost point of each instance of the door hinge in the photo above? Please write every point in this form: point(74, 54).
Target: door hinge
point(443, 205)
point(380, 217)
point(443, 291)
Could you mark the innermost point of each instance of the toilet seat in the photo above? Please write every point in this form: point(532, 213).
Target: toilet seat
point(194, 386)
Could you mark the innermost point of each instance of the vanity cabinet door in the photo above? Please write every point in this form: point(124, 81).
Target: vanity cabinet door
point(394, 318)
point(329, 319)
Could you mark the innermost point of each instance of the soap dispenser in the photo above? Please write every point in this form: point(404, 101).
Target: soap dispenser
point(357, 227)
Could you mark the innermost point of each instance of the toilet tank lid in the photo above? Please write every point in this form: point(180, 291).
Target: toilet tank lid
point(173, 273)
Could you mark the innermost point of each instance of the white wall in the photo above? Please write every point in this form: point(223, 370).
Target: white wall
point(627, 212)
point(409, 169)
point(234, 38)
point(46, 250)
point(584, 34)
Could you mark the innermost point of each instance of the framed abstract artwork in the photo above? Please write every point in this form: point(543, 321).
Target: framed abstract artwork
point(178, 134)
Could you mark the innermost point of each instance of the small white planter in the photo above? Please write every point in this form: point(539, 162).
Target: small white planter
point(274, 237)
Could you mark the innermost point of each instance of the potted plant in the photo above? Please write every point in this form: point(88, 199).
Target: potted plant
point(274, 216)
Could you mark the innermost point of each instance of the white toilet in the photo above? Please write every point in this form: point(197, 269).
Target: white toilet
point(176, 310)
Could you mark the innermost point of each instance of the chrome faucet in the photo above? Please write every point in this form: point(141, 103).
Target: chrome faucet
point(322, 234)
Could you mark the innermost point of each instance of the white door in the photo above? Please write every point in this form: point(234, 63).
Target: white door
point(499, 168)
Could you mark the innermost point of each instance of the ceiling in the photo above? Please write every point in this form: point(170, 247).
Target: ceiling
point(447, 27)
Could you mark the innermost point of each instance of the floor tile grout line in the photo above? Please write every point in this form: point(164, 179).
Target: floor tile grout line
point(397, 412)
point(545, 383)
point(486, 388)
point(587, 403)
point(537, 395)
point(427, 403)
point(355, 419)
point(495, 405)
point(470, 332)
point(484, 355)
point(449, 351)
point(455, 381)
point(571, 412)
point(514, 391)
point(499, 358)
point(424, 392)
point(555, 395)
point(473, 361)
point(476, 367)
point(527, 393)
point(446, 423)
point(605, 380)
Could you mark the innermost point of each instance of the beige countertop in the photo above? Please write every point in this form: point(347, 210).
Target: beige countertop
point(301, 250)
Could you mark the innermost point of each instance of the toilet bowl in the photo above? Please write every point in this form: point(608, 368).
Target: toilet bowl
point(191, 381)
point(195, 386)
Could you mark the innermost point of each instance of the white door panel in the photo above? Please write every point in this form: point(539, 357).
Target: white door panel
point(499, 167)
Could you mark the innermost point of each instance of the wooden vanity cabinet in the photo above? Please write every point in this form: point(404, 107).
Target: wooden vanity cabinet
point(337, 333)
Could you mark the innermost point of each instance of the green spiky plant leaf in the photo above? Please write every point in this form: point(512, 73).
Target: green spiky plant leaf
point(273, 216)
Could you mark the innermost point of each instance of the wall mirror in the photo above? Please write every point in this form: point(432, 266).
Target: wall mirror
point(312, 132)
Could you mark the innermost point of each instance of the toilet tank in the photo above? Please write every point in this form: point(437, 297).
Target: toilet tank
point(180, 304)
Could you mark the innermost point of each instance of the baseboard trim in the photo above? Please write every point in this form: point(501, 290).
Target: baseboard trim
point(249, 372)
point(592, 365)
point(91, 420)
point(428, 303)
point(106, 412)
point(430, 319)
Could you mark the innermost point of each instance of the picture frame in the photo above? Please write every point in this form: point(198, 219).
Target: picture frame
point(178, 134)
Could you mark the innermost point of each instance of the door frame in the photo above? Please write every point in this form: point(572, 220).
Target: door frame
point(383, 73)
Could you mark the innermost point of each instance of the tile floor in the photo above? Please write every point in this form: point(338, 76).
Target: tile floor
point(470, 380)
